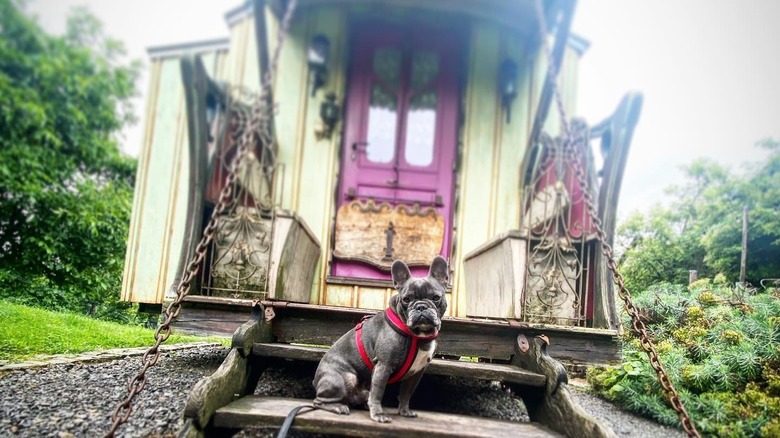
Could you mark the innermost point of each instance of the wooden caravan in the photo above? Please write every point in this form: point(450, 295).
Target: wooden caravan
point(400, 130)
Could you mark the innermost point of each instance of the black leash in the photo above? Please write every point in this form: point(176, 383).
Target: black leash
point(288, 421)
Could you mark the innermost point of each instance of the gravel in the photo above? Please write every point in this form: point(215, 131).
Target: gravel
point(77, 400)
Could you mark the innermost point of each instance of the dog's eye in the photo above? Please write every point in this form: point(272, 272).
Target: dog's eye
point(436, 299)
point(407, 299)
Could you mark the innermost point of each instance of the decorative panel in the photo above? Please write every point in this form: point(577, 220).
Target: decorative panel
point(378, 234)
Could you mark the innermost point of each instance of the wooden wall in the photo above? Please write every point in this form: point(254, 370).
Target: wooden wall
point(157, 223)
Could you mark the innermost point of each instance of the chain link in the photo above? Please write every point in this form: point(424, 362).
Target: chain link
point(257, 130)
point(575, 148)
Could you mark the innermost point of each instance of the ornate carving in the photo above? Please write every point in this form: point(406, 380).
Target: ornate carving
point(416, 235)
point(241, 254)
point(556, 285)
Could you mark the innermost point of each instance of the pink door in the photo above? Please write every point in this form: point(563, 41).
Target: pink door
point(396, 188)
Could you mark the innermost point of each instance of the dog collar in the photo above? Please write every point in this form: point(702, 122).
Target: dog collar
point(400, 327)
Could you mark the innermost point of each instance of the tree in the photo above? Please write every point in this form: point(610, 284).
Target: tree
point(65, 188)
point(702, 228)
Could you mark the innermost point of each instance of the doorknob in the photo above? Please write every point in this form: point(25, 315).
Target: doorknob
point(358, 146)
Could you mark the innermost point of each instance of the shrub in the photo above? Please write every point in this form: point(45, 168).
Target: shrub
point(723, 357)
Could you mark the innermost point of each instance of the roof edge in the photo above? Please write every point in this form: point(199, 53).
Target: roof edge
point(170, 50)
point(238, 13)
point(578, 43)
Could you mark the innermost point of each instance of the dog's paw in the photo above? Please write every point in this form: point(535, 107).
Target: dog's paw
point(339, 408)
point(380, 417)
point(407, 413)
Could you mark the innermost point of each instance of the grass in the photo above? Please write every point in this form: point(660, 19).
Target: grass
point(27, 332)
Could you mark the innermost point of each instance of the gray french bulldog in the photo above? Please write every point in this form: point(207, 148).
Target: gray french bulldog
point(397, 345)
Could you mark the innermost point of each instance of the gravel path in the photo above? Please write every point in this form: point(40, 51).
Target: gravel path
point(77, 399)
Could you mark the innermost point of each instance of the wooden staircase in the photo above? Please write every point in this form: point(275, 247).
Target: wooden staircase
point(260, 411)
point(222, 403)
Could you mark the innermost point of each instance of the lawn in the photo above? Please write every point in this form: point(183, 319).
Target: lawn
point(26, 332)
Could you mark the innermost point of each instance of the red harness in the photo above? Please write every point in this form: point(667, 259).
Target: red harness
point(400, 327)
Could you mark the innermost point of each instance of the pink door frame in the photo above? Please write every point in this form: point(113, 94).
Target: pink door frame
point(361, 179)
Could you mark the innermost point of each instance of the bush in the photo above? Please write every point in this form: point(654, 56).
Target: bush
point(723, 357)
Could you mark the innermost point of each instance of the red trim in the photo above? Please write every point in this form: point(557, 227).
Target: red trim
point(361, 348)
point(411, 354)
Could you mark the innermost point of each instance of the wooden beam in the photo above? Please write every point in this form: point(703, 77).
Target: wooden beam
point(261, 411)
point(236, 377)
point(616, 133)
point(743, 259)
point(323, 325)
point(566, 10)
point(553, 405)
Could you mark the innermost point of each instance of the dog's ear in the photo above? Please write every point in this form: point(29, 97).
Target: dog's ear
point(439, 271)
point(394, 301)
point(400, 273)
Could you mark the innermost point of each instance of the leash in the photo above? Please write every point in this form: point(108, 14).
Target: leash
point(288, 420)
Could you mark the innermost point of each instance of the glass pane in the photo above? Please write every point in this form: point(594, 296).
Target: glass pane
point(421, 129)
point(381, 125)
point(425, 68)
point(387, 65)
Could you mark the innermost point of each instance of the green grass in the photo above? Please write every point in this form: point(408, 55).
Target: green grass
point(26, 332)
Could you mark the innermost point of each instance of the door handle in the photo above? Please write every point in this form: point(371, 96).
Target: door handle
point(356, 147)
point(394, 182)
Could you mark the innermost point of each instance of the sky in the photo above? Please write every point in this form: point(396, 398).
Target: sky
point(708, 70)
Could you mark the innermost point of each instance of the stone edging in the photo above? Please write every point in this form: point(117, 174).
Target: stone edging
point(97, 356)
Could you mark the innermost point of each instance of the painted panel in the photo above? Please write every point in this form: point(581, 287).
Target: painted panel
point(307, 179)
point(479, 142)
point(340, 295)
point(364, 297)
point(157, 187)
point(162, 185)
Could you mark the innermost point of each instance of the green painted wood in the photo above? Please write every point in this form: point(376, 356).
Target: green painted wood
point(318, 163)
point(155, 240)
point(158, 224)
point(475, 179)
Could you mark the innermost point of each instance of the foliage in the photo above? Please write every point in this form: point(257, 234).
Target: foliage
point(26, 332)
point(702, 228)
point(65, 188)
point(723, 356)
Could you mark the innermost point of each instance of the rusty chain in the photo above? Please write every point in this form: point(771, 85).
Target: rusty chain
point(258, 129)
point(575, 150)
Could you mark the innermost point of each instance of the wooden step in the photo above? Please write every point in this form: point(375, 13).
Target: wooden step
point(441, 367)
point(263, 411)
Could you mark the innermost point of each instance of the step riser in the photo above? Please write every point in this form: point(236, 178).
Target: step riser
point(441, 367)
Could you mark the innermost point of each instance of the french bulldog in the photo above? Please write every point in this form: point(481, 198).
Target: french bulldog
point(397, 345)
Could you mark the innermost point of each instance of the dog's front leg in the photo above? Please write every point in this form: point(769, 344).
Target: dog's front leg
point(378, 382)
point(405, 394)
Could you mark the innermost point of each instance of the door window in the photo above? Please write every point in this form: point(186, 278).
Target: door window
point(383, 106)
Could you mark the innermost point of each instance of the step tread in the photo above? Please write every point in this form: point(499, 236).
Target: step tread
point(441, 367)
point(264, 411)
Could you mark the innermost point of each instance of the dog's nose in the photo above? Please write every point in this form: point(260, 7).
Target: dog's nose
point(420, 306)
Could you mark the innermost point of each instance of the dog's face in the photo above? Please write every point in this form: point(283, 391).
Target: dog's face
point(420, 302)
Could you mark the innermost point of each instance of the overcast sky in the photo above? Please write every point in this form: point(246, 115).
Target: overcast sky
point(709, 70)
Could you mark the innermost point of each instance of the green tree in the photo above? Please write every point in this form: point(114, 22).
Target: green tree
point(702, 227)
point(65, 188)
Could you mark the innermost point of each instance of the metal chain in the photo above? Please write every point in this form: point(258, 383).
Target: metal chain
point(258, 129)
point(606, 249)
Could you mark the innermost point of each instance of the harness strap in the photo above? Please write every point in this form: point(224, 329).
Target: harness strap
point(400, 327)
